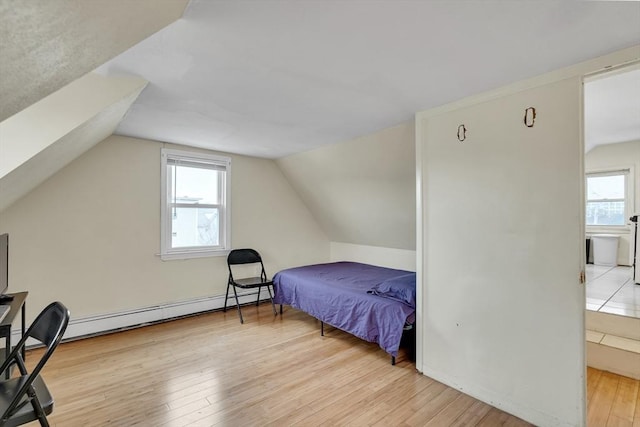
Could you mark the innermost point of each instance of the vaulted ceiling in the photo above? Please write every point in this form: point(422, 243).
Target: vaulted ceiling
point(268, 78)
point(272, 78)
point(52, 108)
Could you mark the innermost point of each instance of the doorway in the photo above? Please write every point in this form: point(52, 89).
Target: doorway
point(612, 182)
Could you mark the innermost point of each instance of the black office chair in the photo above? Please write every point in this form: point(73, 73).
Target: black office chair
point(247, 256)
point(26, 398)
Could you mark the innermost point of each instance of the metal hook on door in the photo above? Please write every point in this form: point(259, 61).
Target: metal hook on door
point(462, 133)
point(529, 117)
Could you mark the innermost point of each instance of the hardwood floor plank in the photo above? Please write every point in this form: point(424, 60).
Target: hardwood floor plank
point(428, 411)
point(452, 412)
point(316, 405)
point(409, 407)
point(209, 370)
point(593, 377)
point(472, 416)
point(636, 416)
point(494, 417)
point(614, 421)
point(624, 404)
point(378, 404)
point(602, 401)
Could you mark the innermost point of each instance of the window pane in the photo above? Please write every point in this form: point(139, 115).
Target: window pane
point(605, 213)
point(605, 187)
point(194, 185)
point(195, 227)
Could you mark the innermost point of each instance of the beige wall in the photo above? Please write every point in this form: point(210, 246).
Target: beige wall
point(361, 191)
point(611, 156)
point(89, 236)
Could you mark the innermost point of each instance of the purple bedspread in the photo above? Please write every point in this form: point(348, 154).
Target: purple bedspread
point(336, 294)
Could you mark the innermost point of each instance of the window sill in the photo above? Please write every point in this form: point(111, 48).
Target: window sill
point(603, 229)
point(193, 254)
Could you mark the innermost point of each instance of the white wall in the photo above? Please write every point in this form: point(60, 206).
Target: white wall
point(401, 259)
point(501, 306)
point(519, 360)
point(89, 236)
point(612, 156)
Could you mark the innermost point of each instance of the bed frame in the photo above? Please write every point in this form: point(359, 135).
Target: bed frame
point(408, 341)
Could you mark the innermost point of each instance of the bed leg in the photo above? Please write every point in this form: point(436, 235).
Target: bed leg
point(280, 308)
point(321, 328)
point(393, 360)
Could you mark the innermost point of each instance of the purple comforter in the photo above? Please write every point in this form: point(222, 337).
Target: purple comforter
point(336, 294)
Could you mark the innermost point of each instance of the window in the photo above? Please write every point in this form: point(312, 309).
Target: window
point(608, 198)
point(195, 219)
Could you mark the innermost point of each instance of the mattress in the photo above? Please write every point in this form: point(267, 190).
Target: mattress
point(371, 302)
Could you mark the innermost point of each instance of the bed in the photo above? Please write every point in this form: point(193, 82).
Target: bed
point(376, 304)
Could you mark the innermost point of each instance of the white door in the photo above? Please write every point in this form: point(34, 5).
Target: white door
point(503, 242)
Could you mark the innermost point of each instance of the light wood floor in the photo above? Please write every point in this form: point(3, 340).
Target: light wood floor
point(612, 400)
point(210, 370)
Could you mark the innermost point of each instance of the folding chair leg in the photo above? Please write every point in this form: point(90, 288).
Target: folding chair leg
point(225, 298)
point(238, 305)
point(258, 299)
point(275, 313)
point(37, 408)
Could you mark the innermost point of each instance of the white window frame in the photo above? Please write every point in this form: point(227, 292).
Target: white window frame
point(166, 251)
point(629, 201)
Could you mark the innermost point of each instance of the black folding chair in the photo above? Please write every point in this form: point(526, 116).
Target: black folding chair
point(247, 256)
point(26, 398)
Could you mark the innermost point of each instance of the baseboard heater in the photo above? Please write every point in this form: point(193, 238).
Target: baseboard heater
point(103, 324)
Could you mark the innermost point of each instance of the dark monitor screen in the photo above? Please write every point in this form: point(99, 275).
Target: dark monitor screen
point(4, 263)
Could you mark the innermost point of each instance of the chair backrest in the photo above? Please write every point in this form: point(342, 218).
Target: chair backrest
point(245, 256)
point(48, 328)
point(50, 324)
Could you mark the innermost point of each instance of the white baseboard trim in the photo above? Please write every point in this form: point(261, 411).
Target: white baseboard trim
point(110, 322)
point(612, 359)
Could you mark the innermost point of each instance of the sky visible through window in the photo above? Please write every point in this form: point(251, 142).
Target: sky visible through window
point(605, 187)
point(605, 200)
point(195, 185)
point(195, 226)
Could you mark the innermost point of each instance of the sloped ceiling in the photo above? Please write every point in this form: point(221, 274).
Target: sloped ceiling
point(612, 108)
point(45, 137)
point(362, 191)
point(276, 78)
point(272, 78)
point(46, 44)
point(52, 107)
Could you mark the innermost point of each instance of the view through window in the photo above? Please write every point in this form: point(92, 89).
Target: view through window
point(606, 199)
point(195, 203)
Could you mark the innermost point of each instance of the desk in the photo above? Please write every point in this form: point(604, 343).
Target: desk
point(17, 304)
